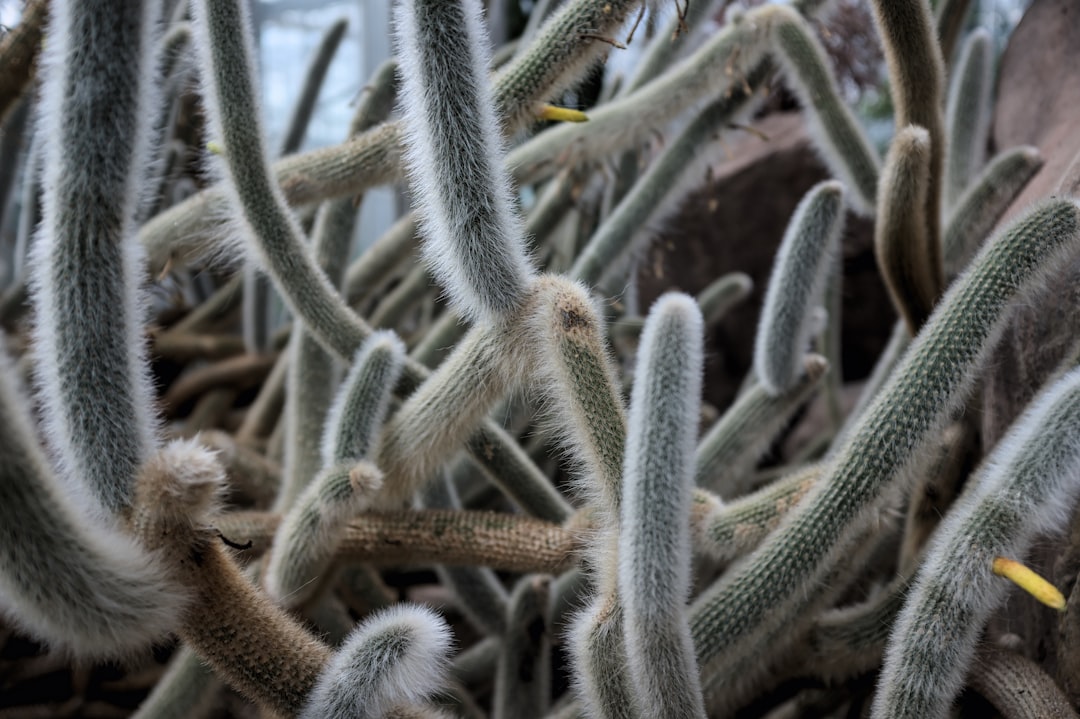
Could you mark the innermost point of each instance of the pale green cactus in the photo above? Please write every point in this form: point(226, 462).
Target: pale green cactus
point(483, 458)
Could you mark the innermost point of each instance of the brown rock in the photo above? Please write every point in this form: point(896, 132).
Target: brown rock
point(735, 223)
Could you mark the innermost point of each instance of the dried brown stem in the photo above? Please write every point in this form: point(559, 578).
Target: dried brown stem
point(506, 542)
point(1017, 686)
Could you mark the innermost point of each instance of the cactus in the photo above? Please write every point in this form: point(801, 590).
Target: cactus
point(796, 287)
point(398, 656)
point(1020, 492)
point(474, 242)
point(910, 263)
point(654, 544)
point(481, 457)
point(85, 265)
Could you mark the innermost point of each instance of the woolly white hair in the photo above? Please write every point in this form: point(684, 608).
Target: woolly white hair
point(78, 584)
point(363, 398)
point(807, 253)
point(474, 243)
point(85, 265)
point(396, 656)
point(1026, 487)
point(311, 531)
point(654, 544)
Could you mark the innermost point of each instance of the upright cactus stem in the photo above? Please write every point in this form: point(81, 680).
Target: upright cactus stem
point(909, 261)
point(917, 74)
point(1025, 488)
point(796, 287)
point(654, 539)
point(575, 371)
point(474, 242)
point(979, 209)
point(86, 266)
point(756, 606)
point(846, 149)
point(360, 407)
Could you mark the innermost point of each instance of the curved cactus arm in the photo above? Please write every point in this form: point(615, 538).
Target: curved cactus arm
point(917, 74)
point(304, 107)
point(722, 294)
point(654, 537)
point(474, 242)
point(599, 652)
point(909, 262)
point(224, 43)
point(312, 377)
point(85, 264)
point(358, 411)
point(843, 144)
point(440, 415)
point(396, 656)
point(1025, 488)
point(310, 533)
point(1017, 686)
point(81, 587)
point(251, 643)
point(967, 115)
point(727, 453)
point(766, 594)
point(725, 532)
point(796, 286)
point(576, 375)
point(985, 201)
point(565, 49)
point(718, 67)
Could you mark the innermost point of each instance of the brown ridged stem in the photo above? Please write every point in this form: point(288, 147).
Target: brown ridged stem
point(506, 542)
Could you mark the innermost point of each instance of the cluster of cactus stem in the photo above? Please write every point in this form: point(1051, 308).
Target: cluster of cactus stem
point(484, 416)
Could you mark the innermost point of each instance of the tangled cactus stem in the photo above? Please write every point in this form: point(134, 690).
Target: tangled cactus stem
point(252, 644)
point(1025, 488)
point(474, 242)
point(398, 656)
point(750, 608)
point(79, 585)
